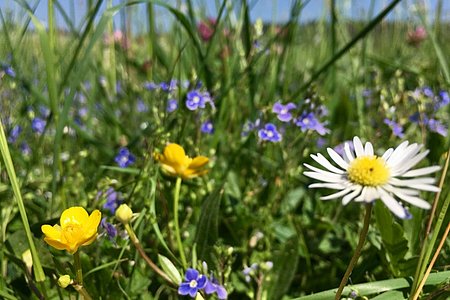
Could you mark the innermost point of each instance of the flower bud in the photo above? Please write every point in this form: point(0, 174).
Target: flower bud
point(64, 281)
point(124, 213)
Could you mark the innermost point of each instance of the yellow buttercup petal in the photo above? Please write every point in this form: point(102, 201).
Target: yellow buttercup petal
point(74, 215)
point(77, 229)
point(174, 153)
point(198, 162)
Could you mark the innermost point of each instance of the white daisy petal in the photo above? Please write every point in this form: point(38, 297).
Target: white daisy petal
point(348, 153)
point(359, 150)
point(368, 149)
point(337, 159)
point(394, 206)
point(336, 195)
point(427, 187)
point(411, 182)
point(324, 162)
point(352, 195)
point(410, 163)
point(416, 201)
point(387, 154)
point(323, 178)
point(371, 194)
point(362, 196)
point(397, 153)
point(333, 186)
point(395, 190)
point(421, 171)
point(326, 173)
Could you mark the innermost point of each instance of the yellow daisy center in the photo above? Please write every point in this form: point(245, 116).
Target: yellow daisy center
point(368, 171)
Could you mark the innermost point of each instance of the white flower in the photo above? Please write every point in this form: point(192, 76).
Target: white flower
point(367, 177)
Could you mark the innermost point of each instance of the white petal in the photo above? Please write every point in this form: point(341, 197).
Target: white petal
point(406, 191)
point(352, 195)
point(398, 152)
point(421, 171)
point(427, 187)
point(410, 163)
point(334, 186)
point(330, 174)
point(362, 196)
point(407, 156)
point(371, 194)
point(337, 159)
point(324, 162)
point(348, 153)
point(387, 154)
point(336, 195)
point(359, 150)
point(323, 178)
point(393, 205)
point(411, 182)
point(368, 149)
point(416, 201)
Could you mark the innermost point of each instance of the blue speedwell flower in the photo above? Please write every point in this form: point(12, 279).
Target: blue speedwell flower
point(283, 111)
point(112, 200)
point(269, 133)
point(194, 282)
point(172, 105)
point(207, 127)
point(14, 134)
point(308, 121)
point(195, 100)
point(124, 158)
point(213, 286)
point(397, 129)
point(109, 228)
point(38, 125)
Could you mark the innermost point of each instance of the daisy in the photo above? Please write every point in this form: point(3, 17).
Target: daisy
point(362, 176)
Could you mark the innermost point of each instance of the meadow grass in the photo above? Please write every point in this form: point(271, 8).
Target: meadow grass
point(87, 112)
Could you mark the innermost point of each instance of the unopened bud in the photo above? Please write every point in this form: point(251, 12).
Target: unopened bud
point(64, 281)
point(124, 213)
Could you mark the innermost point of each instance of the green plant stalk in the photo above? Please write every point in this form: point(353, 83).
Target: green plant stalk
point(428, 246)
point(176, 200)
point(354, 260)
point(141, 251)
point(38, 271)
point(79, 287)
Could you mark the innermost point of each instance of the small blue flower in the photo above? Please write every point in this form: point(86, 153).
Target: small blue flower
point(172, 105)
point(112, 200)
point(44, 111)
point(194, 282)
point(124, 158)
point(141, 106)
point(150, 86)
point(415, 118)
point(25, 149)
point(207, 127)
point(9, 70)
point(168, 87)
point(194, 100)
point(308, 121)
point(269, 133)
point(250, 126)
point(38, 125)
point(14, 134)
point(340, 149)
point(397, 129)
point(436, 126)
point(445, 99)
point(282, 111)
point(213, 286)
point(249, 271)
point(427, 91)
point(109, 228)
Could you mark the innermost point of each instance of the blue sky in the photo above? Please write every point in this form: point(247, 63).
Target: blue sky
point(268, 10)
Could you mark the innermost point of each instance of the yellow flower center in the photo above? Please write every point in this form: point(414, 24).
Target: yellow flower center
point(73, 233)
point(368, 171)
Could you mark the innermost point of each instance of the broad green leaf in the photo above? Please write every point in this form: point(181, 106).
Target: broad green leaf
point(291, 200)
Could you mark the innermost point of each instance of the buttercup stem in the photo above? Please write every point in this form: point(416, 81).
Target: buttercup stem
point(141, 251)
point(354, 260)
point(79, 275)
point(177, 226)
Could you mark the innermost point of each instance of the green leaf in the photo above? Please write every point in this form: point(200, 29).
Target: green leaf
point(232, 186)
point(291, 200)
point(391, 295)
point(393, 237)
point(207, 226)
point(285, 268)
point(170, 269)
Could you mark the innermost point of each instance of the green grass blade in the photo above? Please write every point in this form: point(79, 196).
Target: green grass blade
point(6, 155)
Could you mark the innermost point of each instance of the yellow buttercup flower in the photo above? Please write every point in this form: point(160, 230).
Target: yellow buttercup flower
point(175, 162)
point(77, 229)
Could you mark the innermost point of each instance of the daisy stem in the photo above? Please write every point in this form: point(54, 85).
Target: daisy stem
point(177, 225)
point(79, 277)
point(354, 260)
